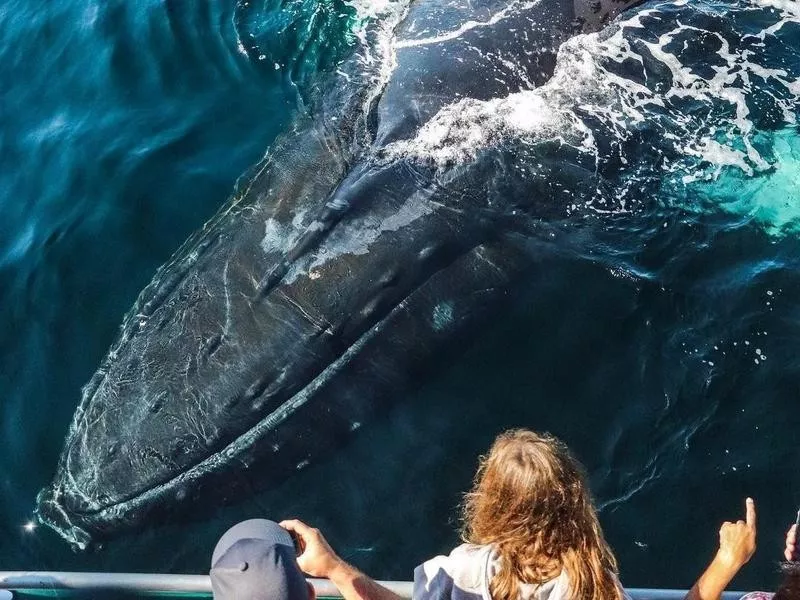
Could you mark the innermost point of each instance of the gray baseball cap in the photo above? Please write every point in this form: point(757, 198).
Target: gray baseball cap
point(256, 560)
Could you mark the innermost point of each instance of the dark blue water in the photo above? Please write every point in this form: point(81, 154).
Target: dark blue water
point(672, 369)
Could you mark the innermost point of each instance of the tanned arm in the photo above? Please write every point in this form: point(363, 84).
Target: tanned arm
point(737, 543)
point(318, 559)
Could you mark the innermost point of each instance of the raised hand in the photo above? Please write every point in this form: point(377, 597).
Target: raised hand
point(316, 557)
point(737, 541)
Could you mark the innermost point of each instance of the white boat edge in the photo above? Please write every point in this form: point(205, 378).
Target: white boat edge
point(145, 583)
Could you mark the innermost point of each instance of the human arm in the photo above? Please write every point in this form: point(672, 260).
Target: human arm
point(737, 543)
point(318, 559)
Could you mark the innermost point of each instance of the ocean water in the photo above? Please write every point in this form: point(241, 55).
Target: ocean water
point(664, 352)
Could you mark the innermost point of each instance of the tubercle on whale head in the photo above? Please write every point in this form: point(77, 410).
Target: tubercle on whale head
point(50, 512)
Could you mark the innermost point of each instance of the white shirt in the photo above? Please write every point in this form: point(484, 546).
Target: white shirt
point(465, 574)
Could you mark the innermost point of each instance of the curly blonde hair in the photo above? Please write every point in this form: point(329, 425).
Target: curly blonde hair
point(530, 501)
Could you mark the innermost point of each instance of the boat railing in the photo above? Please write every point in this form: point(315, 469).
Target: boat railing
point(57, 583)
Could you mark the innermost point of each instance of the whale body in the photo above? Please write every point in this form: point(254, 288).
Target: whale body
point(373, 240)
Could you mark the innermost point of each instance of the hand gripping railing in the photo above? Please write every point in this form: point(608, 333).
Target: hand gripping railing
point(147, 583)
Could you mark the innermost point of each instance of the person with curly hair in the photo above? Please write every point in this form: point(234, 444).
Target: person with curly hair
point(530, 532)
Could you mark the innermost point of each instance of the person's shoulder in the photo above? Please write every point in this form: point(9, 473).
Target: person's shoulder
point(463, 560)
point(757, 596)
point(472, 552)
point(463, 570)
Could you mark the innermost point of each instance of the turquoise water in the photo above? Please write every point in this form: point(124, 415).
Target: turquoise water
point(669, 363)
point(768, 200)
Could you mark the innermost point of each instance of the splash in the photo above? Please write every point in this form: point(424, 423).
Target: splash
point(465, 27)
point(374, 29)
point(677, 89)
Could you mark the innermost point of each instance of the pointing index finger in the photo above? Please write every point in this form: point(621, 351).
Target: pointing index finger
point(750, 510)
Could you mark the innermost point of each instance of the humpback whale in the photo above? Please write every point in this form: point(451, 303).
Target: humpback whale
point(398, 214)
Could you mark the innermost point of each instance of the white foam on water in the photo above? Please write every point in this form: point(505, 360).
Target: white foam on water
point(374, 28)
point(460, 130)
point(789, 8)
point(373, 10)
point(382, 14)
point(720, 155)
point(585, 90)
point(467, 26)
